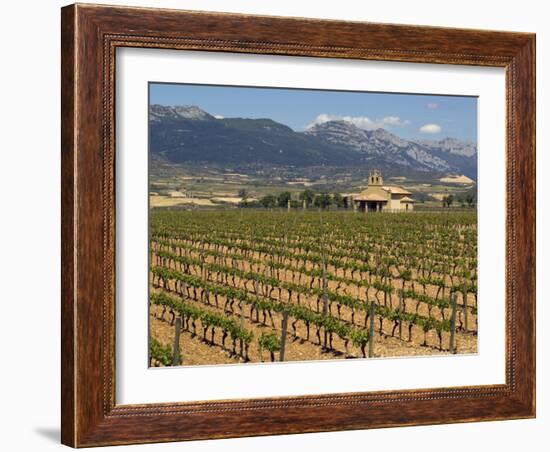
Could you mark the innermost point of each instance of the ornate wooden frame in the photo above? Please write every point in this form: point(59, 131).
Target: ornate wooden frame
point(90, 35)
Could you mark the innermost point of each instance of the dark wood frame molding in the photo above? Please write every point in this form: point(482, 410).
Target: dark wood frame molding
point(90, 35)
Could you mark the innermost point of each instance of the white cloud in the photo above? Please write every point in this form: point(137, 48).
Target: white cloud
point(430, 128)
point(363, 122)
point(219, 116)
point(432, 106)
point(393, 121)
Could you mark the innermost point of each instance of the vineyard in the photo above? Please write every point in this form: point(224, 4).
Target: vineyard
point(243, 285)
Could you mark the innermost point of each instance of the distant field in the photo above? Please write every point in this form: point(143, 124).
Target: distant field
point(197, 186)
point(261, 285)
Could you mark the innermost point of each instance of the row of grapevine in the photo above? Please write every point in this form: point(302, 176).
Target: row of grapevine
point(334, 274)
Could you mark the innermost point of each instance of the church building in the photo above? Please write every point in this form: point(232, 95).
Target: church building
point(378, 197)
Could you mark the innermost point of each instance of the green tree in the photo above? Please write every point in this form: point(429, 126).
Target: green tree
point(338, 200)
point(243, 194)
point(322, 200)
point(448, 200)
point(268, 201)
point(283, 198)
point(308, 196)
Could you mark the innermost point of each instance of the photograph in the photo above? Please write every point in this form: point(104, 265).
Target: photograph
point(285, 222)
point(294, 224)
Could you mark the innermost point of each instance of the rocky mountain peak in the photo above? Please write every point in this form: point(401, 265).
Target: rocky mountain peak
point(189, 112)
point(203, 138)
point(452, 146)
point(334, 125)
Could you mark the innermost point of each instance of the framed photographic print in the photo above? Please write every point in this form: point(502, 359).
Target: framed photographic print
point(282, 225)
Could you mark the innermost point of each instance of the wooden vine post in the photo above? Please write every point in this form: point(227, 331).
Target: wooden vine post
point(241, 342)
point(176, 349)
point(283, 335)
point(400, 310)
point(465, 306)
point(371, 329)
point(452, 347)
point(325, 282)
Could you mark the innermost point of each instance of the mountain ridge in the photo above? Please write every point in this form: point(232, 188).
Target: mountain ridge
point(189, 134)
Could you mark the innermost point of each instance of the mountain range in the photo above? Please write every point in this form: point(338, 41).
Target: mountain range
point(188, 134)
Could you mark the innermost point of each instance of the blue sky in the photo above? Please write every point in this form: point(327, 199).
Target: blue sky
point(406, 115)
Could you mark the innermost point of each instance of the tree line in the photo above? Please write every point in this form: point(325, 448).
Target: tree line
point(306, 199)
point(468, 199)
point(309, 198)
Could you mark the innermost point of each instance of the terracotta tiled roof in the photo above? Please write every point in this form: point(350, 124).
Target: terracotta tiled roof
point(371, 197)
point(407, 199)
point(394, 190)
